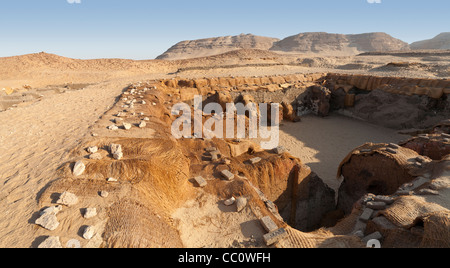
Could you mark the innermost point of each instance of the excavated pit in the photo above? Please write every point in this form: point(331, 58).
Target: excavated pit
point(155, 177)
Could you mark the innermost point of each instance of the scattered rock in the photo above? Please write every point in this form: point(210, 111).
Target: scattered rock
point(376, 205)
point(280, 150)
point(230, 201)
point(89, 232)
point(51, 242)
point(90, 213)
point(215, 156)
point(404, 192)
point(96, 156)
point(112, 180)
point(420, 159)
point(118, 120)
point(255, 160)
point(200, 181)
point(51, 210)
point(115, 148)
point(142, 124)
point(118, 156)
point(227, 175)
point(241, 203)
point(48, 221)
point(116, 151)
point(104, 194)
point(113, 127)
point(92, 150)
point(73, 243)
point(368, 198)
point(428, 192)
point(78, 168)
point(127, 126)
point(67, 199)
point(386, 199)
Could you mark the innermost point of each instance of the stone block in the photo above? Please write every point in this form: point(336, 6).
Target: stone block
point(211, 149)
point(393, 146)
point(386, 199)
point(366, 215)
point(255, 160)
point(226, 174)
point(201, 182)
point(376, 205)
point(268, 224)
point(390, 150)
point(280, 150)
point(89, 232)
point(275, 236)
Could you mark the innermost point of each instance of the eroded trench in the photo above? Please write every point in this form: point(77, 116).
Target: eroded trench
point(307, 202)
point(155, 176)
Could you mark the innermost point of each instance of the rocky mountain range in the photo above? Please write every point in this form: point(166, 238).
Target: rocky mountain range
point(216, 45)
point(442, 41)
point(304, 43)
point(326, 43)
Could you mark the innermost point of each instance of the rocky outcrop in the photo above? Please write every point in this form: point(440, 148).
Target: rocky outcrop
point(434, 146)
point(347, 44)
point(217, 45)
point(316, 42)
point(441, 41)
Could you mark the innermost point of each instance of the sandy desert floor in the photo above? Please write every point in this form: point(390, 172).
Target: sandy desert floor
point(37, 136)
point(306, 141)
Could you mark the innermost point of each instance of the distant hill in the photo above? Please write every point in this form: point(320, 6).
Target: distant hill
point(442, 41)
point(216, 45)
point(326, 43)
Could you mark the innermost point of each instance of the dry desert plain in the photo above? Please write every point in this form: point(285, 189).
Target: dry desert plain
point(54, 108)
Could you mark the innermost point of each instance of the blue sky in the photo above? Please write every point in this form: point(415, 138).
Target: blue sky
point(144, 29)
